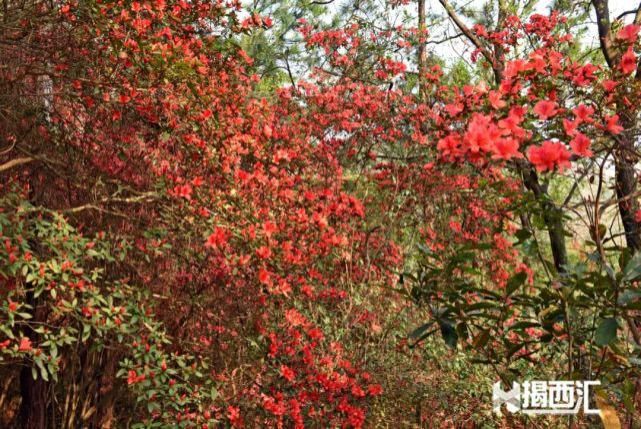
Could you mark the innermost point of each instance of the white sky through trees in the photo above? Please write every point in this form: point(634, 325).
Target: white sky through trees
point(458, 48)
point(442, 41)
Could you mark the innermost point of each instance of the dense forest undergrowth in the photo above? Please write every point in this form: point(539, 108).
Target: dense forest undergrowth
point(320, 214)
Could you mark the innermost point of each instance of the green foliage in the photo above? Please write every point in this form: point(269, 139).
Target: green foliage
point(51, 267)
point(571, 325)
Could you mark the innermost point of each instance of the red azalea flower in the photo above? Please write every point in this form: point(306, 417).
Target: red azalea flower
point(217, 238)
point(570, 126)
point(233, 414)
point(131, 376)
point(612, 124)
point(264, 276)
point(25, 344)
point(609, 85)
point(263, 252)
point(549, 155)
point(374, 389)
point(628, 61)
point(580, 145)
point(583, 113)
point(506, 149)
point(629, 33)
point(287, 373)
point(545, 109)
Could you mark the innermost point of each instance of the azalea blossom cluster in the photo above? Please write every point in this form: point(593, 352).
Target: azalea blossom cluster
point(544, 92)
point(249, 221)
point(243, 215)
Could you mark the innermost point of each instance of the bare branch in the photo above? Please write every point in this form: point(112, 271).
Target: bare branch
point(471, 37)
point(142, 198)
point(445, 39)
point(14, 163)
point(627, 12)
point(612, 201)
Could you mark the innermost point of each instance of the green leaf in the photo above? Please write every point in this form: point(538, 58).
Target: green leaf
point(628, 297)
point(606, 332)
point(213, 394)
point(523, 234)
point(418, 332)
point(515, 282)
point(481, 306)
point(43, 373)
point(449, 333)
point(632, 269)
point(515, 348)
point(86, 331)
point(8, 332)
point(524, 325)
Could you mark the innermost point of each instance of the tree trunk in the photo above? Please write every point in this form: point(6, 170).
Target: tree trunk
point(107, 390)
point(33, 407)
point(626, 186)
point(624, 157)
point(422, 53)
point(552, 216)
point(625, 160)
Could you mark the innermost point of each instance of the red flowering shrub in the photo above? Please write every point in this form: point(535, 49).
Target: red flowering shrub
point(226, 211)
point(245, 240)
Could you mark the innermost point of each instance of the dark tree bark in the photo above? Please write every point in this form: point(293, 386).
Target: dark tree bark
point(552, 216)
point(626, 188)
point(625, 158)
point(33, 406)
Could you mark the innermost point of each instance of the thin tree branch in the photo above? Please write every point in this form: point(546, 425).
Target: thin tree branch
point(14, 163)
point(470, 35)
point(627, 12)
